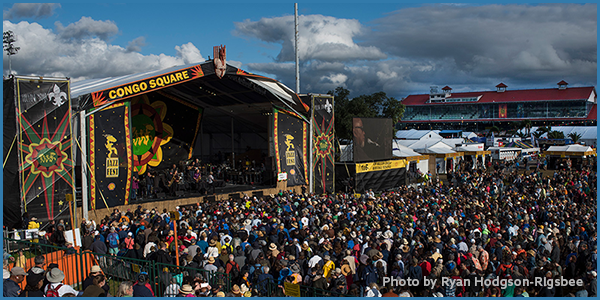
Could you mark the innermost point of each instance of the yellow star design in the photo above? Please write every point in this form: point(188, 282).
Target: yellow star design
point(60, 202)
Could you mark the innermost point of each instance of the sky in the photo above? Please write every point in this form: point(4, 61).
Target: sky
point(397, 48)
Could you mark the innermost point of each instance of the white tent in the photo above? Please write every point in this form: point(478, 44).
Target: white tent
point(414, 134)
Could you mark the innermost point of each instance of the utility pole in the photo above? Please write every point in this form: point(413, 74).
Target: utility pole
point(8, 39)
point(296, 48)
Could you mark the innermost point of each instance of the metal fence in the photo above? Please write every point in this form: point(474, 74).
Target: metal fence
point(77, 263)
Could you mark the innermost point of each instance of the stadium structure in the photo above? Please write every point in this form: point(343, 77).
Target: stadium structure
point(476, 111)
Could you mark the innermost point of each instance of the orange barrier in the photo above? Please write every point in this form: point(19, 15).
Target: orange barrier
point(75, 266)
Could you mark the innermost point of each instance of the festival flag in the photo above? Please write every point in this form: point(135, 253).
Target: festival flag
point(43, 109)
point(502, 111)
point(111, 162)
point(291, 146)
point(323, 140)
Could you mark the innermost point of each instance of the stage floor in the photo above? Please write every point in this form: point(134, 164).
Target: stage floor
point(224, 190)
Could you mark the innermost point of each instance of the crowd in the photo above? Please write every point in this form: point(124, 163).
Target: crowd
point(441, 239)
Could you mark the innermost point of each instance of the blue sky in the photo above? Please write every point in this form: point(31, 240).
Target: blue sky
point(400, 49)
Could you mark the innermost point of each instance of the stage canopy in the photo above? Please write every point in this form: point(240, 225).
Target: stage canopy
point(246, 97)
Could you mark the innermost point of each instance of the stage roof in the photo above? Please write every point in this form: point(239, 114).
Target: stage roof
point(246, 97)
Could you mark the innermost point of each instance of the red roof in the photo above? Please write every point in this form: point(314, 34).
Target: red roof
point(562, 82)
point(446, 88)
point(502, 85)
point(593, 115)
point(569, 94)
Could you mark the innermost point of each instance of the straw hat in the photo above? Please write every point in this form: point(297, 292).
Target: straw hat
point(295, 268)
point(212, 243)
point(95, 269)
point(220, 294)
point(235, 289)
point(247, 222)
point(186, 289)
point(272, 247)
point(248, 294)
point(211, 260)
point(55, 275)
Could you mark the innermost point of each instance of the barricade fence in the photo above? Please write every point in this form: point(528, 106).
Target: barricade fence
point(77, 264)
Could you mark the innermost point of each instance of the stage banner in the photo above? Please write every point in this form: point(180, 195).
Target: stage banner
point(501, 110)
point(110, 156)
point(380, 180)
point(323, 140)
point(43, 109)
point(291, 146)
point(164, 130)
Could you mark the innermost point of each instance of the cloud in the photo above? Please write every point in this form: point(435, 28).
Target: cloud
point(136, 44)
point(467, 47)
point(30, 10)
point(320, 38)
point(189, 53)
point(87, 27)
point(46, 53)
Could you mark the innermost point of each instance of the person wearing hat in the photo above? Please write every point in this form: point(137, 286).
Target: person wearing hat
point(141, 288)
point(55, 277)
point(186, 290)
point(37, 271)
point(235, 290)
point(295, 269)
point(210, 265)
point(11, 285)
point(95, 271)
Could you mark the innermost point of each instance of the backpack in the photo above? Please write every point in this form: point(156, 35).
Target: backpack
point(235, 271)
point(113, 241)
point(53, 292)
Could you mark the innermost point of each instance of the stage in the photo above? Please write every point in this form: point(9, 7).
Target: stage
point(170, 202)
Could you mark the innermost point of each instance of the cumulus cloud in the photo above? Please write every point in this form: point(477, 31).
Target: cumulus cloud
point(136, 44)
point(30, 10)
point(87, 27)
point(189, 53)
point(321, 38)
point(46, 53)
point(406, 51)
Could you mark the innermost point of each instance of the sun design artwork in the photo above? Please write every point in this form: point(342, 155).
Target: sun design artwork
point(149, 132)
point(45, 157)
point(323, 145)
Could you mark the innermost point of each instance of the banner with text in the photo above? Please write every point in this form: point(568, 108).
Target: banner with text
point(291, 145)
point(110, 158)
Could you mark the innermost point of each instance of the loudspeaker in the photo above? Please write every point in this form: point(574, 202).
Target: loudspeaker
point(179, 193)
point(161, 195)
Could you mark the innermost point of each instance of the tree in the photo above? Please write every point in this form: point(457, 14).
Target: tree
point(377, 105)
point(554, 134)
point(527, 125)
point(574, 136)
point(544, 129)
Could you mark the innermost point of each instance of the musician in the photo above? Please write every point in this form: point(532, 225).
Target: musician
point(150, 183)
point(173, 180)
point(197, 180)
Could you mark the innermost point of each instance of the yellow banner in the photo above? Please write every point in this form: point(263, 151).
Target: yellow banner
point(380, 165)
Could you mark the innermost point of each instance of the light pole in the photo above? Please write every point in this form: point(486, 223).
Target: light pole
point(8, 39)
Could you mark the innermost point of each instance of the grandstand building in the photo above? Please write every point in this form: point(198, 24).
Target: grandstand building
point(476, 111)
